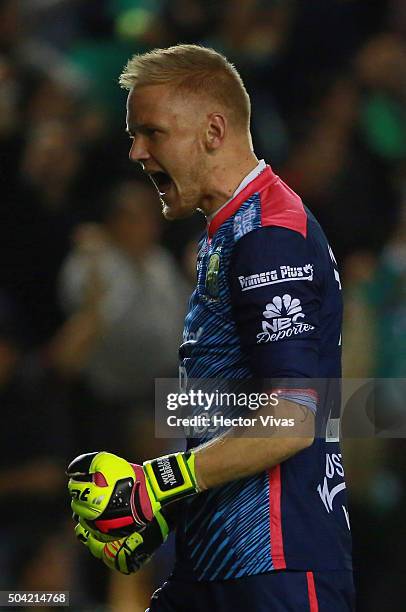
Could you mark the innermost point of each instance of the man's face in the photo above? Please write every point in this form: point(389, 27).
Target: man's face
point(167, 134)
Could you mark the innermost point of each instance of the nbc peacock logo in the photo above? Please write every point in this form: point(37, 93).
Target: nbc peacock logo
point(284, 318)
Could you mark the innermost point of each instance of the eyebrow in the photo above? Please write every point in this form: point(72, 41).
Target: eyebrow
point(141, 127)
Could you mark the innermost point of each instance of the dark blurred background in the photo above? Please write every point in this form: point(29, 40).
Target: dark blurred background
point(93, 284)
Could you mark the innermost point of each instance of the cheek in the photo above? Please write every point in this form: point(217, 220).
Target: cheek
point(191, 179)
point(199, 170)
point(189, 153)
point(186, 164)
point(196, 162)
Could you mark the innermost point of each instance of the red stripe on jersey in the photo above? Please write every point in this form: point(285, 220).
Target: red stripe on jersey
point(311, 589)
point(267, 177)
point(277, 551)
point(282, 207)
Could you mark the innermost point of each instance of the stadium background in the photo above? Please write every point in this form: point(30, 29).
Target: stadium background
point(93, 284)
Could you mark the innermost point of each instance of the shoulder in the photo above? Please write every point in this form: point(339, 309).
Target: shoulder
point(274, 205)
point(282, 207)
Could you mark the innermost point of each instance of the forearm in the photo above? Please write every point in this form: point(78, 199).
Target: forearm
point(229, 458)
point(169, 479)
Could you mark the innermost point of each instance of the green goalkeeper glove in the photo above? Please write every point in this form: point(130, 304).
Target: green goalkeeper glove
point(129, 554)
point(114, 498)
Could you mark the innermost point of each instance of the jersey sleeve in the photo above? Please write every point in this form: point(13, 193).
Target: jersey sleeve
point(276, 294)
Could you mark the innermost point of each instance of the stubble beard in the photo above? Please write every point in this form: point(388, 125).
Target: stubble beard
point(192, 199)
point(186, 207)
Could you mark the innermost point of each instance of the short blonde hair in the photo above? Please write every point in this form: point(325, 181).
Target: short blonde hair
point(192, 69)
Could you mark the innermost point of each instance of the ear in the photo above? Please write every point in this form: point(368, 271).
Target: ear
point(215, 131)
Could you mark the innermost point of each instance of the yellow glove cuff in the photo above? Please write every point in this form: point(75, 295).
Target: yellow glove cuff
point(171, 477)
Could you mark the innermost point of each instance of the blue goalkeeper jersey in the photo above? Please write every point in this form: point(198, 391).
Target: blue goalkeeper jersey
point(268, 305)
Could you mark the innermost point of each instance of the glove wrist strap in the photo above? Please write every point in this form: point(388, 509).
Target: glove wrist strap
point(172, 477)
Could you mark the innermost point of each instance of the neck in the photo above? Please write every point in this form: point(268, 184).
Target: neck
point(224, 180)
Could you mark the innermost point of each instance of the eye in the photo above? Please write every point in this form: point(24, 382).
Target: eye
point(151, 132)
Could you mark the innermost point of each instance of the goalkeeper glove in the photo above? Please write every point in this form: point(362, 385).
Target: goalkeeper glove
point(127, 555)
point(114, 498)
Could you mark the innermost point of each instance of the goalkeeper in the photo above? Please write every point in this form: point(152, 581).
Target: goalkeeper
point(261, 524)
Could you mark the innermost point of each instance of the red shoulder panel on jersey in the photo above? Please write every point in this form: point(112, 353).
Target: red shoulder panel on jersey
point(282, 207)
point(265, 179)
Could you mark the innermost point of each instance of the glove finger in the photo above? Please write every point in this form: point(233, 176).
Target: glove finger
point(95, 547)
point(81, 533)
point(80, 485)
point(111, 552)
point(97, 535)
point(79, 467)
point(99, 481)
point(125, 555)
point(131, 556)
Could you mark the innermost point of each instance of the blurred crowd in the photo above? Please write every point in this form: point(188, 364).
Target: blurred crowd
point(94, 286)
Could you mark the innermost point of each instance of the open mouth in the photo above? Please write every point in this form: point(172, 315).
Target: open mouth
point(162, 181)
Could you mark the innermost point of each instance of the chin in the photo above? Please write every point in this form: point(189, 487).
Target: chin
point(168, 213)
point(176, 212)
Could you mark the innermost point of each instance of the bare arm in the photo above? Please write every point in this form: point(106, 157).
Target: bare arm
point(229, 458)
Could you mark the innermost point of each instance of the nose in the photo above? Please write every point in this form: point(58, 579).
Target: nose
point(139, 150)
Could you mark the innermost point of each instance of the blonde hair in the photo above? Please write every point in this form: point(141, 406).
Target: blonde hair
point(192, 69)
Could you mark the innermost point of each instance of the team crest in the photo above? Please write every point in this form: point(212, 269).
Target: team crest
point(212, 274)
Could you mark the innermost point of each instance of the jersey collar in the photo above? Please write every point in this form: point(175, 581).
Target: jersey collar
point(231, 207)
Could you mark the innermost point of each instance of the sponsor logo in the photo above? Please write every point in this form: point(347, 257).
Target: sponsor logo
point(98, 500)
point(81, 495)
point(285, 319)
point(334, 468)
point(327, 495)
point(279, 275)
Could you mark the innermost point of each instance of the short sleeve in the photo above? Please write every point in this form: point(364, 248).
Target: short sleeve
point(276, 295)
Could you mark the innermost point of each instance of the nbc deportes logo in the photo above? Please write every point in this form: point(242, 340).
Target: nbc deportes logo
point(284, 319)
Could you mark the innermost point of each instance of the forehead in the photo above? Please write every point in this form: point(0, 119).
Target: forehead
point(160, 105)
point(148, 103)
